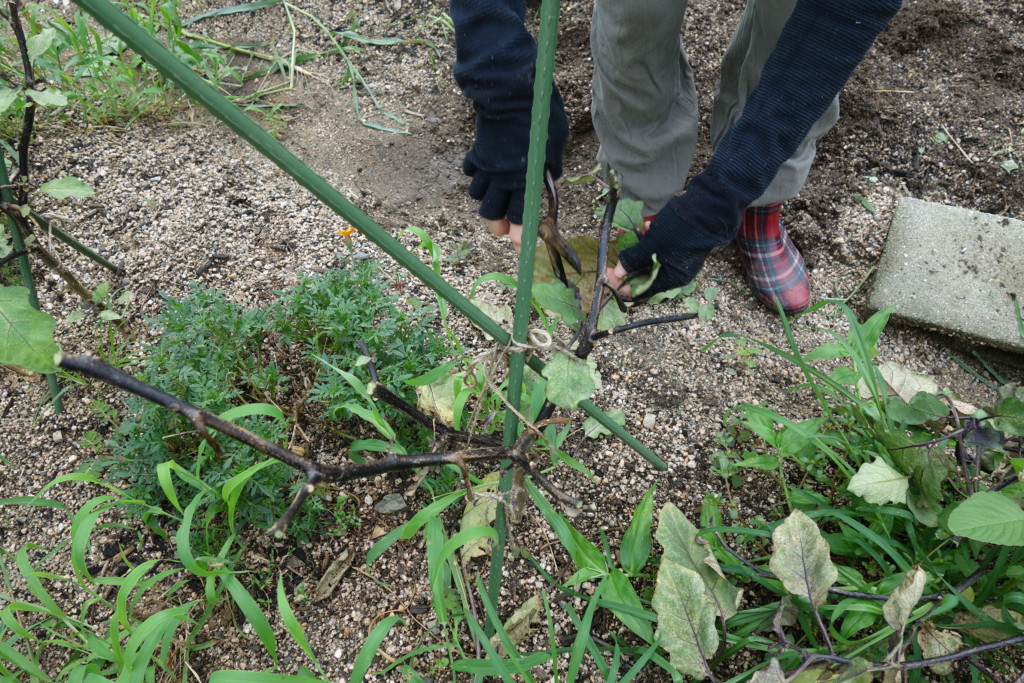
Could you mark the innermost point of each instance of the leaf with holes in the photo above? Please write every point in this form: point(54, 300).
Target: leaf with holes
point(801, 558)
point(26, 334)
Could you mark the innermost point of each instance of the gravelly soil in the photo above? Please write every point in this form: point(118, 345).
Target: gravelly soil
point(172, 193)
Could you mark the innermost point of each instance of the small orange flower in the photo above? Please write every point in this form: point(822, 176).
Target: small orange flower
point(346, 233)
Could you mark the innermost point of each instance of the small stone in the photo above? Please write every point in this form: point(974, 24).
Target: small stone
point(293, 562)
point(393, 502)
point(649, 419)
point(337, 653)
point(58, 436)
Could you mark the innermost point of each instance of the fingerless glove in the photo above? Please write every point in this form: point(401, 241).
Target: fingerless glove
point(494, 66)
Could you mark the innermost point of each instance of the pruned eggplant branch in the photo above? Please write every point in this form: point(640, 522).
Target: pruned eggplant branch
point(316, 473)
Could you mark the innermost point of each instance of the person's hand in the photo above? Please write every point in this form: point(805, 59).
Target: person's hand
point(502, 227)
point(681, 236)
point(497, 164)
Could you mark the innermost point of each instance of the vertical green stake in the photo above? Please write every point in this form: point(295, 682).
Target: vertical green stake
point(542, 86)
point(26, 275)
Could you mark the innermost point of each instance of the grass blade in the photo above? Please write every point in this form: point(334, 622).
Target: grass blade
point(292, 625)
point(369, 649)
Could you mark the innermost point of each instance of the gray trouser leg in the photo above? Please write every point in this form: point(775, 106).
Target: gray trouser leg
point(753, 41)
point(645, 103)
point(644, 100)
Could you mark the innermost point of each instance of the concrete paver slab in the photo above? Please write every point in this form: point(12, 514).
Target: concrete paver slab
point(955, 270)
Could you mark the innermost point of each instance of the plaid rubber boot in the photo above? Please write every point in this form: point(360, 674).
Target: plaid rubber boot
point(775, 268)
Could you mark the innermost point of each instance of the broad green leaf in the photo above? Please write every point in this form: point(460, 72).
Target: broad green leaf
point(827, 351)
point(1010, 412)
point(51, 97)
point(592, 429)
point(936, 642)
point(689, 303)
point(636, 542)
point(900, 605)
point(66, 186)
point(7, 98)
point(40, 43)
point(629, 215)
point(26, 335)
point(570, 380)
point(480, 512)
point(101, 292)
point(686, 618)
point(678, 536)
point(928, 469)
point(626, 240)
point(517, 627)
point(799, 437)
point(801, 558)
point(989, 517)
point(763, 462)
point(557, 299)
point(610, 317)
point(770, 674)
point(878, 483)
point(921, 408)
point(871, 329)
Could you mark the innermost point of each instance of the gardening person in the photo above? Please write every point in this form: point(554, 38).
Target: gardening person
point(780, 80)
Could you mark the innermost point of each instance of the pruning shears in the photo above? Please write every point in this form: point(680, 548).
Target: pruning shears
point(548, 231)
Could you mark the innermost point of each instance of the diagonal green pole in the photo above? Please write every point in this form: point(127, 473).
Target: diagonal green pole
point(204, 94)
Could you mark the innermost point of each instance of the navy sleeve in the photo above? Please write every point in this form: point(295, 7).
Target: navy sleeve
point(818, 49)
point(494, 67)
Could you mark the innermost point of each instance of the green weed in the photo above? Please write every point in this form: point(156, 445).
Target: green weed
point(215, 354)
